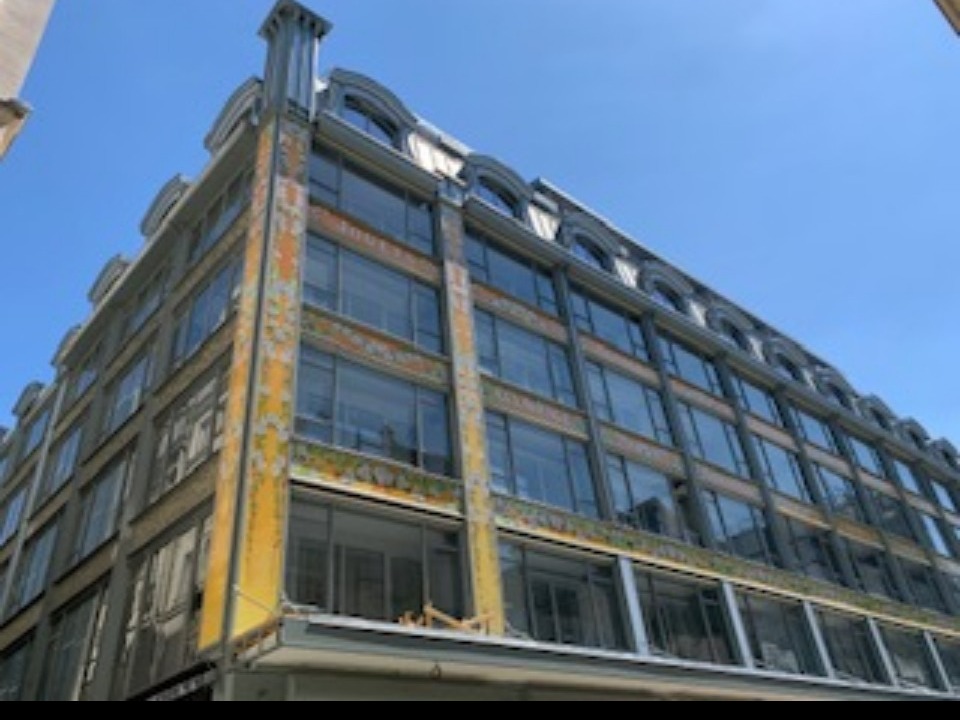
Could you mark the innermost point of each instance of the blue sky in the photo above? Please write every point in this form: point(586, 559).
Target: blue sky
point(799, 157)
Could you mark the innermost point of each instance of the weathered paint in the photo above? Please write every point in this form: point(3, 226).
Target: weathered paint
point(270, 370)
point(325, 467)
point(481, 528)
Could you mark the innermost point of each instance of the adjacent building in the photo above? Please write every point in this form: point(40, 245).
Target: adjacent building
point(22, 24)
point(370, 416)
point(951, 10)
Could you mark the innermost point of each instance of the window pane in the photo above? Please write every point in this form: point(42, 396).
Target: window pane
point(320, 274)
point(893, 515)
point(944, 497)
point(950, 655)
point(315, 384)
point(435, 429)
point(936, 536)
point(907, 477)
point(910, 659)
point(814, 551)
point(543, 467)
point(867, 457)
point(688, 365)
point(872, 567)
point(815, 431)
point(376, 296)
point(840, 494)
point(307, 556)
point(739, 528)
point(757, 401)
point(376, 415)
point(781, 470)
point(714, 441)
point(924, 586)
point(382, 208)
point(779, 636)
point(684, 618)
point(643, 499)
point(851, 649)
point(569, 603)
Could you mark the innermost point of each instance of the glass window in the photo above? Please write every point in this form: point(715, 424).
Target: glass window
point(525, 359)
point(148, 301)
point(344, 282)
point(4, 468)
point(950, 655)
point(629, 404)
point(867, 457)
point(874, 574)
point(35, 433)
point(923, 585)
point(566, 602)
point(935, 533)
point(911, 662)
point(714, 440)
point(381, 569)
point(908, 479)
point(86, 376)
point(893, 515)
point(541, 466)
point(757, 401)
point(11, 515)
point(367, 120)
point(190, 433)
point(644, 499)
point(31, 579)
point(739, 528)
point(779, 636)
point(223, 212)
point(521, 279)
point(208, 312)
point(682, 362)
point(497, 197)
point(100, 508)
point(129, 393)
point(13, 670)
point(684, 618)
point(814, 551)
point(840, 494)
point(788, 369)
point(943, 497)
point(363, 410)
point(612, 326)
point(732, 335)
point(65, 459)
point(72, 650)
point(586, 251)
point(385, 208)
point(781, 469)
point(815, 431)
point(852, 652)
point(163, 614)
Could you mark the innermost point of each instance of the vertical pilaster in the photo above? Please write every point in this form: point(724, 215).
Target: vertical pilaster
point(481, 523)
point(245, 578)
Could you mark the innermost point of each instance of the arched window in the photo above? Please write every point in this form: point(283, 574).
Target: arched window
point(668, 298)
point(588, 252)
point(733, 335)
point(880, 420)
point(917, 439)
point(367, 120)
point(789, 369)
point(837, 396)
point(497, 197)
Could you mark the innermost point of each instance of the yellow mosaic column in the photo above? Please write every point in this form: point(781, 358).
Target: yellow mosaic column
point(481, 523)
point(256, 455)
point(245, 572)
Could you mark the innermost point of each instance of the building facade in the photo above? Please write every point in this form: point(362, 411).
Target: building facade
point(22, 24)
point(951, 10)
point(370, 416)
